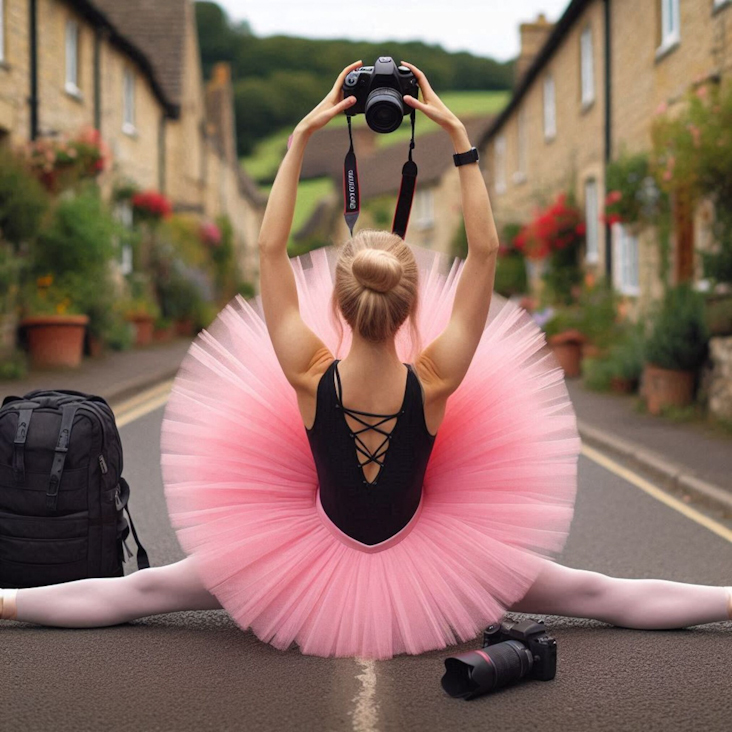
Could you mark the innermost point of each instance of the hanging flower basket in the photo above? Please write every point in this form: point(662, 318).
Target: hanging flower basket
point(55, 340)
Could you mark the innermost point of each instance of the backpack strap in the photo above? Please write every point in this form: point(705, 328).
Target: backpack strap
point(24, 418)
point(59, 458)
point(142, 559)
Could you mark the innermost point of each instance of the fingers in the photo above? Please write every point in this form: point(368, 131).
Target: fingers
point(421, 78)
point(338, 86)
point(414, 102)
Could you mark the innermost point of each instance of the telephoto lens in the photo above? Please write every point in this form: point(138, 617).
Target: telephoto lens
point(474, 673)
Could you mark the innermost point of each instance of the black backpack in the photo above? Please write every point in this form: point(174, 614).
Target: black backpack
point(62, 494)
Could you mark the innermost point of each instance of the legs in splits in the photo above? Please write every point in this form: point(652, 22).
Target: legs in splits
point(102, 601)
point(629, 603)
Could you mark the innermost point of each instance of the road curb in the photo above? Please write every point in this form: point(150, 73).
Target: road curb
point(673, 474)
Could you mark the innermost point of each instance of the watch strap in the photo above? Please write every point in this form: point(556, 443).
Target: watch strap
point(471, 156)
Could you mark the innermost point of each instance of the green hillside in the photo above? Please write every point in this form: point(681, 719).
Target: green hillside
point(263, 163)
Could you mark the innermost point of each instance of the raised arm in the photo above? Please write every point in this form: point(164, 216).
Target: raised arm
point(445, 361)
point(295, 344)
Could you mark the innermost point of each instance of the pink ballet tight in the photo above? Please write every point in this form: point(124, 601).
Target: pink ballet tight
point(559, 590)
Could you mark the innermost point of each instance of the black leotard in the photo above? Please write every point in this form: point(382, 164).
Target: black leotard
point(369, 512)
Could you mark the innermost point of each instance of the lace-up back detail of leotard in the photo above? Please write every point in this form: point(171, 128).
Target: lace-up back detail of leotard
point(369, 511)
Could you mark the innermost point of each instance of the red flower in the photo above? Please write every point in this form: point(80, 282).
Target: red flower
point(152, 203)
point(581, 228)
point(211, 234)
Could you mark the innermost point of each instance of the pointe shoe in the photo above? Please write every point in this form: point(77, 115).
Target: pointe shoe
point(8, 608)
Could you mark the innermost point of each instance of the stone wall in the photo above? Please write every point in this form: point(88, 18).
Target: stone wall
point(718, 382)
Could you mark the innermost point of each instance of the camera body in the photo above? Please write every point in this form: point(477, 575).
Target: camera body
point(533, 635)
point(379, 92)
point(511, 652)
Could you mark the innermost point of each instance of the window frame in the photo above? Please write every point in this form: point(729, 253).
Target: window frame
point(587, 67)
point(718, 4)
point(500, 163)
point(592, 221)
point(3, 55)
point(550, 103)
point(520, 175)
point(424, 208)
point(670, 35)
point(622, 263)
point(71, 85)
point(129, 106)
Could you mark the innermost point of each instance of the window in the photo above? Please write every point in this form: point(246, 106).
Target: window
point(2, 31)
point(719, 3)
point(500, 163)
point(625, 261)
point(72, 57)
point(587, 67)
point(128, 103)
point(550, 109)
point(669, 23)
point(520, 175)
point(424, 209)
point(592, 252)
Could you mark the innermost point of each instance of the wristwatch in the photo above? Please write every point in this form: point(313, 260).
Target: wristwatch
point(467, 157)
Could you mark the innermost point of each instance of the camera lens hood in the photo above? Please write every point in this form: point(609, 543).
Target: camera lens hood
point(384, 109)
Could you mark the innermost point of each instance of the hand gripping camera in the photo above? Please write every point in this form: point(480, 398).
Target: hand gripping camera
point(379, 92)
point(511, 652)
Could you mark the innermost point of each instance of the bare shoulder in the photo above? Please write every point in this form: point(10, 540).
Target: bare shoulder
point(435, 392)
point(306, 385)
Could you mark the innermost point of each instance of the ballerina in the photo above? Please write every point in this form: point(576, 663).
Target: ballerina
point(363, 505)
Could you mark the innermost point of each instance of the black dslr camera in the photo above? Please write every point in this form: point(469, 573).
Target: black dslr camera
point(379, 92)
point(510, 652)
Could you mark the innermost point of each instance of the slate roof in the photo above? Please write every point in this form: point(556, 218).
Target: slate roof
point(158, 28)
point(381, 173)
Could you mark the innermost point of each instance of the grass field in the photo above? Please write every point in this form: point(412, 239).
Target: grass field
point(263, 164)
point(309, 194)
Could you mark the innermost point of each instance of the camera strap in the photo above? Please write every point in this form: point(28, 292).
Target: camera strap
point(352, 196)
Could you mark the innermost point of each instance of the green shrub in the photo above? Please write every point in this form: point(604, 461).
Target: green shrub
point(120, 334)
point(14, 366)
point(23, 201)
point(563, 319)
point(511, 275)
point(679, 336)
point(598, 314)
point(246, 290)
point(596, 374)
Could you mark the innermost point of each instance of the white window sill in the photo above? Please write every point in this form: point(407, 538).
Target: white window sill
point(670, 44)
point(73, 91)
point(130, 130)
point(587, 104)
point(550, 137)
point(500, 188)
point(519, 177)
point(629, 291)
point(592, 258)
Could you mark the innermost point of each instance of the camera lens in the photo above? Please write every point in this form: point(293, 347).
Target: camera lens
point(384, 110)
point(474, 673)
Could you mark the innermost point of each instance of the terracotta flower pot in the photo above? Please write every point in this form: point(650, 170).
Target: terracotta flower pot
point(666, 387)
point(622, 386)
point(55, 340)
point(590, 350)
point(184, 327)
point(567, 347)
point(164, 335)
point(144, 327)
point(96, 347)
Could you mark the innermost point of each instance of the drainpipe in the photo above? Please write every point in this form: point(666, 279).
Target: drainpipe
point(608, 131)
point(33, 44)
point(98, 79)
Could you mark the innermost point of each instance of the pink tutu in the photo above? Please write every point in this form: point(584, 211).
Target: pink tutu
point(242, 491)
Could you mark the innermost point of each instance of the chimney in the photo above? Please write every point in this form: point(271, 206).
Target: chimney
point(533, 37)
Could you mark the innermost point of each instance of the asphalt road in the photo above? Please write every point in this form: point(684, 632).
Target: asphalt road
point(198, 671)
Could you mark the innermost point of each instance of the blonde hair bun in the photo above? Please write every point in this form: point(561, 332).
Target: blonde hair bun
point(377, 270)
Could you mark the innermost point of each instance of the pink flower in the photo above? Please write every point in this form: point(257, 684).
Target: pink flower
point(662, 108)
point(702, 92)
point(667, 175)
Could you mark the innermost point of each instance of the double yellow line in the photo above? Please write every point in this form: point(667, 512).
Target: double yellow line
point(156, 397)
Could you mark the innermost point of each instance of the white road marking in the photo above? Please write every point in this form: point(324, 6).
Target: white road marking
point(658, 493)
point(365, 714)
